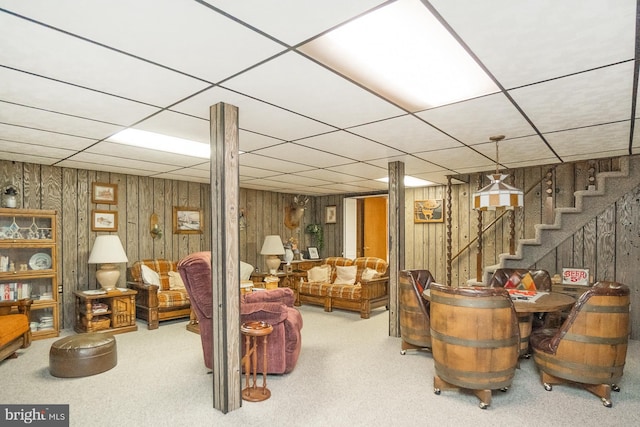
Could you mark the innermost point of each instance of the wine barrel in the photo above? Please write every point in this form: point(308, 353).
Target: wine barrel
point(414, 318)
point(475, 337)
point(593, 348)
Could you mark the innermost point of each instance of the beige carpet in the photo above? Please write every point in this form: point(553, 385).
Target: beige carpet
point(350, 373)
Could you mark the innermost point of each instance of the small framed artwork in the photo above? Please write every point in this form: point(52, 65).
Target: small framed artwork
point(330, 215)
point(313, 252)
point(187, 220)
point(575, 276)
point(104, 220)
point(428, 211)
point(105, 193)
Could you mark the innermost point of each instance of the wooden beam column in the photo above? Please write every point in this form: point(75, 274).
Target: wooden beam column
point(396, 242)
point(225, 255)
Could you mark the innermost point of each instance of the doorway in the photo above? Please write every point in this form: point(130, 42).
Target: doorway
point(366, 227)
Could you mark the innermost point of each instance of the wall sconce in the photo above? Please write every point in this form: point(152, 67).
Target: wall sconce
point(242, 221)
point(156, 231)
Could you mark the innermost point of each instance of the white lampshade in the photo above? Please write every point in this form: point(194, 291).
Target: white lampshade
point(107, 250)
point(272, 247)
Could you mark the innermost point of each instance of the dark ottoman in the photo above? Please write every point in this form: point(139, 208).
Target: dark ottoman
point(82, 355)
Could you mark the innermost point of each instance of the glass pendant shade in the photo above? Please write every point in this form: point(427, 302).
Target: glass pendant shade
point(498, 195)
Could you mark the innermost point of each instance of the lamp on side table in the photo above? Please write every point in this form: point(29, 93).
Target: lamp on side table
point(107, 250)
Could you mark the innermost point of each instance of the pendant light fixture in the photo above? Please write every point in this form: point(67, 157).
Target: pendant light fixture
point(498, 195)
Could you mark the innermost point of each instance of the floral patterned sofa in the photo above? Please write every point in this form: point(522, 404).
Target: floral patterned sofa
point(362, 286)
point(161, 292)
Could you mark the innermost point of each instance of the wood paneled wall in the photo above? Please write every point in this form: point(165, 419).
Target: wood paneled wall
point(608, 245)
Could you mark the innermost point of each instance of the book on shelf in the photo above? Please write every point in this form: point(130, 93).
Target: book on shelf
point(14, 291)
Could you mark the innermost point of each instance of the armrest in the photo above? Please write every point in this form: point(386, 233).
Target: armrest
point(24, 305)
point(281, 295)
point(270, 312)
point(147, 294)
point(376, 287)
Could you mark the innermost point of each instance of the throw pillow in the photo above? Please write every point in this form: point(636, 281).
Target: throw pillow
point(245, 270)
point(368, 273)
point(149, 276)
point(319, 274)
point(513, 281)
point(175, 280)
point(527, 283)
point(345, 275)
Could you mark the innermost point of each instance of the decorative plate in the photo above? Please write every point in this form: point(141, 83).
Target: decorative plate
point(40, 261)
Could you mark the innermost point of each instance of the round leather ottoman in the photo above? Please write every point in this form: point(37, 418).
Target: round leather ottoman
point(82, 355)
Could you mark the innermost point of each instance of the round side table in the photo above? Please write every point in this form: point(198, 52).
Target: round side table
point(252, 331)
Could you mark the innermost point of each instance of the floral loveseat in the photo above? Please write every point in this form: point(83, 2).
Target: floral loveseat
point(362, 286)
point(161, 292)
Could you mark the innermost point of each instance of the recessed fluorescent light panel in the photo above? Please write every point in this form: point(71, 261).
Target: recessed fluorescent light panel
point(156, 141)
point(410, 181)
point(402, 52)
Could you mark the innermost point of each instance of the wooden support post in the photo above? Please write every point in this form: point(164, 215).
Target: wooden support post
point(396, 242)
point(479, 246)
point(449, 223)
point(225, 255)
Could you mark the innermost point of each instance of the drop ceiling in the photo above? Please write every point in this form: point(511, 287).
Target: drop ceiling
point(75, 72)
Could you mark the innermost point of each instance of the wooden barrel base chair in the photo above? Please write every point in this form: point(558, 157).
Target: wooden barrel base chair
point(589, 349)
point(474, 340)
point(414, 310)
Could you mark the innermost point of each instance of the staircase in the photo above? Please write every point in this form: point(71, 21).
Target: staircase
point(610, 186)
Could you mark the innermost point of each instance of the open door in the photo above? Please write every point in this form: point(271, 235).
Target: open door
point(372, 227)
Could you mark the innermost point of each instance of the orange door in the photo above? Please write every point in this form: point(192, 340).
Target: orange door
point(374, 227)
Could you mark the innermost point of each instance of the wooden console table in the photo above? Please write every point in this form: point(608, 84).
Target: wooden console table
point(120, 310)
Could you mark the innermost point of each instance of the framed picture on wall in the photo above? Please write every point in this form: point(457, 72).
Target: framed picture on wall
point(330, 215)
point(429, 210)
point(187, 220)
point(104, 220)
point(313, 252)
point(104, 193)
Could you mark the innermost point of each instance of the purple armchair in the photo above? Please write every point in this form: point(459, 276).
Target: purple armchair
point(272, 306)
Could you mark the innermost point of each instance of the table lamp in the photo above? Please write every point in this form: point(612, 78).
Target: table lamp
point(107, 250)
point(272, 247)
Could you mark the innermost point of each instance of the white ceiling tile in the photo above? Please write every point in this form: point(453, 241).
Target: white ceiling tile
point(139, 167)
point(145, 154)
point(591, 142)
point(455, 158)
point(361, 170)
point(512, 152)
point(303, 155)
point(474, 121)
point(34, 150)
point(576, 101)
point(406, 133)
point(63, 98)
point(349, 145)
point(524, 42)
point(164, 32)
point(282, 166)
point(303, 86)
point(37, 49)
point(177, 125)
point(45, 138)
point(412, 164)
point(293, 21)
point(54, 122)
point(254, 115)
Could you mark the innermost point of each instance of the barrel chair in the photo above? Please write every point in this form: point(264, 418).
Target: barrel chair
point(511, 277)
point(414, 310)
point(474, 340)
point(589, 349)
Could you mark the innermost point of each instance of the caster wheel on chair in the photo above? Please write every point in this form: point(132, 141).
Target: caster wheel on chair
point(436, 391)
point(403, 352)
point(606, 402)
point(615, 387)
point(504, 389)
point(483, 405)
point(548, 387)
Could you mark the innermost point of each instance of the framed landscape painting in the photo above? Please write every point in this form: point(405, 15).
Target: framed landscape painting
point(104, 220)
point(105, 193)
point(187, 220)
